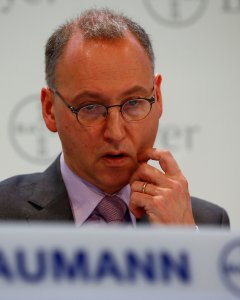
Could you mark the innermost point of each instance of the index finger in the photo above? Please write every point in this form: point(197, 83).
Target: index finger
point(165, 159)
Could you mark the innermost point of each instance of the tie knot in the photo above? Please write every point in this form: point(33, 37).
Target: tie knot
point(112, 209)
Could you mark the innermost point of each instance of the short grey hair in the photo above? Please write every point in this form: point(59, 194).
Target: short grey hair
point(92, 24)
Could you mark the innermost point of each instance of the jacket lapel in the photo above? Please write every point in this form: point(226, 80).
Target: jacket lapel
point(53, 204)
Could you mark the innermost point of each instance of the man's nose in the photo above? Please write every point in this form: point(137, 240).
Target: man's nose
point(114, 125)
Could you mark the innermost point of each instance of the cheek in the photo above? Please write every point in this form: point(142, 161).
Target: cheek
point(153, 125)
point(87, 145)
point(146, 133)
point(83, 139)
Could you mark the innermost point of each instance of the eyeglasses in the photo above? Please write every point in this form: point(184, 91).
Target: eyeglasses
point(94, 113)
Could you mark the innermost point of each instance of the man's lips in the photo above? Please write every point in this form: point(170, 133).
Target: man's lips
point(115, 157)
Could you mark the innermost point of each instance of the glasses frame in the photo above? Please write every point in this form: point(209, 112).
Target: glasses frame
point(75, 110)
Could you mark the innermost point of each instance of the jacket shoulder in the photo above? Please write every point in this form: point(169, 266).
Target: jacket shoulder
point(207, 213)
point(18, 194)
point(14, 193)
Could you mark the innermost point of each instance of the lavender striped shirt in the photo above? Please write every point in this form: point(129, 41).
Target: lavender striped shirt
point(84, 196)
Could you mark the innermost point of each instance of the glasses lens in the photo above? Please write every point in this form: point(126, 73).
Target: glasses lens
point(136, 109)
point(91, 114)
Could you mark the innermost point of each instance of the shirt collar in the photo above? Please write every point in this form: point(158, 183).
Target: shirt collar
point(84, 196)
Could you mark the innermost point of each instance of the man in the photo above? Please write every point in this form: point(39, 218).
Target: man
point(104, 101)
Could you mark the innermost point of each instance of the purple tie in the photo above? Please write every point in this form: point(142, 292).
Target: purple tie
point(111, 209)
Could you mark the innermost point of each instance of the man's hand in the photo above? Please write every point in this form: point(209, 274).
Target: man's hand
point(165, 198)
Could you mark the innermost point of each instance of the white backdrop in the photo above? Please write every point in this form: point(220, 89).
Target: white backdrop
point(197, 46)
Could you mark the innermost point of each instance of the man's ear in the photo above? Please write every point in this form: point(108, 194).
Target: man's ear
point(47, 100)
point(158, 81)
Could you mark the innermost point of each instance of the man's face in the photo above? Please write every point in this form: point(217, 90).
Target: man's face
point(108, 73)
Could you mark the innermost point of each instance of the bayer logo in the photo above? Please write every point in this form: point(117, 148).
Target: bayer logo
point(28, 133)
point(230, 267)
point(176, 13)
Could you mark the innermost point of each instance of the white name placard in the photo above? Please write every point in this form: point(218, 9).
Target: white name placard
point(111, 263)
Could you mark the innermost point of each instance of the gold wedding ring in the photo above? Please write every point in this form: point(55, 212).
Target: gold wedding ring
point(144, 187)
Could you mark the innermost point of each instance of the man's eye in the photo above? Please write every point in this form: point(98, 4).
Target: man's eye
point(132, 103)
point(93, 110)
point(90, 108)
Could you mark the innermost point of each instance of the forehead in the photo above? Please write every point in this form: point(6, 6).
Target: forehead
point(103, 62)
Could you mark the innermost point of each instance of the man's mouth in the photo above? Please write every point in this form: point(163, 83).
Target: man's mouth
point(119, 155)
point(115, 158)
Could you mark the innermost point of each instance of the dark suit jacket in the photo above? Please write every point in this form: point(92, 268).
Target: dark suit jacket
point(43, 197)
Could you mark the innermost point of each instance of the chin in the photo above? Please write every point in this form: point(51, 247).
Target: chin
point(112, 186)
point(115, 179)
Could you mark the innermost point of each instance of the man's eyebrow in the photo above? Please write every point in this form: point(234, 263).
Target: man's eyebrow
point(87, 94)
point(141, 90)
